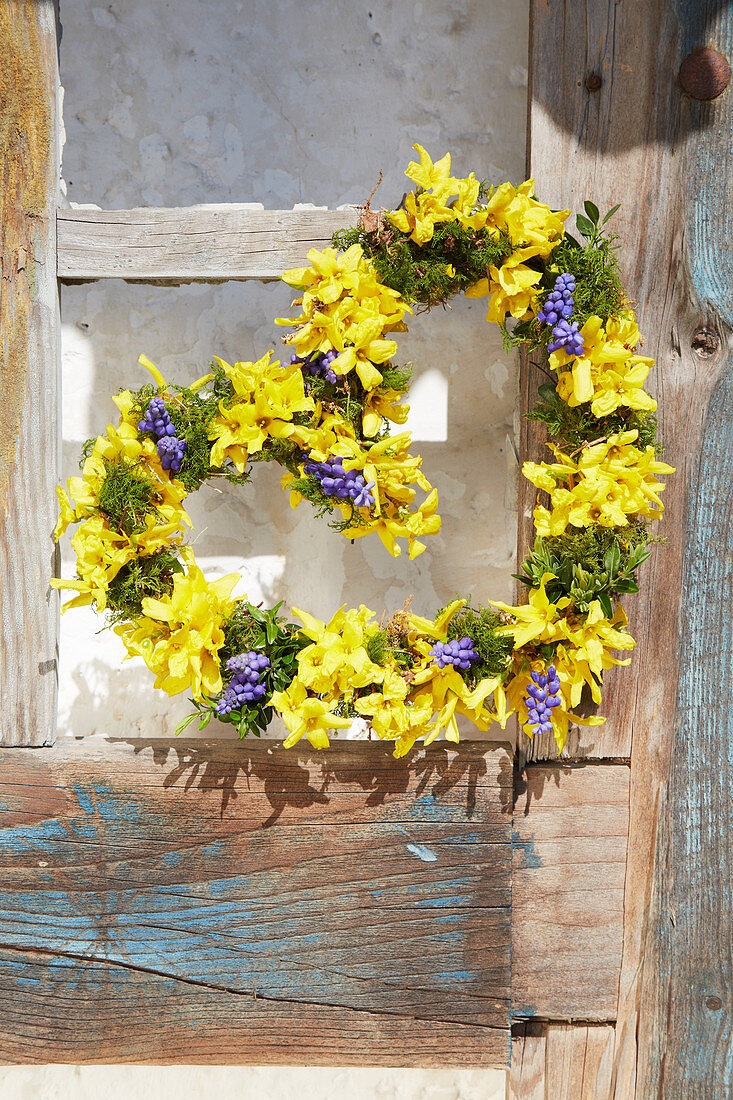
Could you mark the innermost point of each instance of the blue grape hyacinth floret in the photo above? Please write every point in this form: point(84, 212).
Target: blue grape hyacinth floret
point(557, 311)
point(340, 483)
point(459, 654)
point(318, 365)
point(157, 421)
point(171, 452)
point(543, 693)
point(246, 684)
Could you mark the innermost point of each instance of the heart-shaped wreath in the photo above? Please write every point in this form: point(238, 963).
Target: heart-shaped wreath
point(323, 416)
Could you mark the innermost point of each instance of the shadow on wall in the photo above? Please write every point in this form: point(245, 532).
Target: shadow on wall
point(302, 777)
point(585, 66)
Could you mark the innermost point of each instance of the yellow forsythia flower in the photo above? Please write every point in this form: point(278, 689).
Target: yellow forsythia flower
point(609, 373)
point(267, 396)
point(180, 635)
point(610, 481)
point(345, 307)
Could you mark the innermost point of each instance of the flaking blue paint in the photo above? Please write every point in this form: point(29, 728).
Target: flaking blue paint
point(530, 857)
point(98, 799)
point(20, 837)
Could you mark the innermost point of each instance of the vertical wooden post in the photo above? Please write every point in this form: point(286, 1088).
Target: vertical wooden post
point(29, 324)
point(610, 121)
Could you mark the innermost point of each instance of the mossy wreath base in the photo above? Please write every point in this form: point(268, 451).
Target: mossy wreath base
point(326, 417)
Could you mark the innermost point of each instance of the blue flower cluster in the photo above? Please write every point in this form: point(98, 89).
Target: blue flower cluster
point(246, 684)
point(542, 695)
point(557, 311)
point(460, 654)
point(340, 483)
point(157, 420)
point(318, 365)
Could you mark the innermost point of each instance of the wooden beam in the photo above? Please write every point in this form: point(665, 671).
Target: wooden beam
point(194, 244)
point(240, 903)
point(632, 136)
point(569, 840)
point(29, 444)
point(551, 1061)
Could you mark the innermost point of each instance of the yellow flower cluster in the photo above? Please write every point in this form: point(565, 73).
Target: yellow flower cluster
point(394, 472)
point(583, 651)
point(266, 397)
point(179, 636)
point(440, 198)
point(345, 307)
point(609, 374)
point(610, 481)
point(533, 229)
point(102, 550)
point(335, 672)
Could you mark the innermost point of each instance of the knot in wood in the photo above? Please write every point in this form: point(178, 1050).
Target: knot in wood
point(705, 342)
point(593, 82)
point(714, 1002)
point(704, 74)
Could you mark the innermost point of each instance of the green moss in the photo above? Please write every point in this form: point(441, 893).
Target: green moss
point(420, 273)
point(125, 496)
point(574, 426)
point(144, 576)
point(191, 414)
point(377, 646)
point(598, 290)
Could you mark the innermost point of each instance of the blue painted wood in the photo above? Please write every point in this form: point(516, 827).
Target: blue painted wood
point(234, 893)
point(691, 933)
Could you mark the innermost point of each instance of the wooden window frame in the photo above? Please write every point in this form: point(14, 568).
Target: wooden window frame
point(618, 902)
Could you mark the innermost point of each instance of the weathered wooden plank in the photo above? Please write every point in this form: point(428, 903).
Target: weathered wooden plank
point(608, 144)
point(551, 1061)
point(192, 244)
point(29, 459)
point(245, 904)
point(639, 140)
point(569, 840)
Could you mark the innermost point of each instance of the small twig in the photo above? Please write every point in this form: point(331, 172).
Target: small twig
point(585, 444)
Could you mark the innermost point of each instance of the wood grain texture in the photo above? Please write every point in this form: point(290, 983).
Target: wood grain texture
point(639, 141)
point(569, 840)
point(245, 904)
point(194, 244)
point(29, 364)
point(555, 1061)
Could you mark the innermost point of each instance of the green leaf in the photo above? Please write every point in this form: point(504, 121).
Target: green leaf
point(605, 601)
point(204, 720)
point(585, 226)
point(184, 723)
point(611, 212)
point(612, 560)
point(548, 392)
point(592, 211)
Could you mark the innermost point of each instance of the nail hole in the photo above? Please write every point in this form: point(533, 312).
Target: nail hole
point(705, 342)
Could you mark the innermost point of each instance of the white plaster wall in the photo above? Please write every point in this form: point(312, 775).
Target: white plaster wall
point(283, 102)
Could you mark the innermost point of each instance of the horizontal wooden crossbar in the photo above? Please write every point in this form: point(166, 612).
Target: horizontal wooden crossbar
point(239, 903)
point(190, 244)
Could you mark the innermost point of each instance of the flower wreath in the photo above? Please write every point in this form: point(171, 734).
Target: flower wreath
point(324, 417)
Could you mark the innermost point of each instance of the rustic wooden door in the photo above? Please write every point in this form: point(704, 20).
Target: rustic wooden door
point(223, 903)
